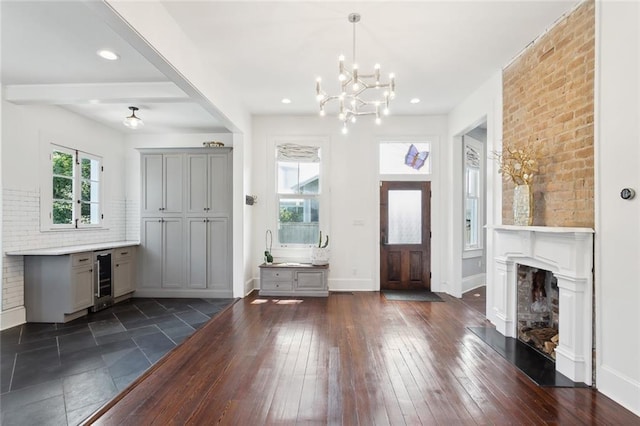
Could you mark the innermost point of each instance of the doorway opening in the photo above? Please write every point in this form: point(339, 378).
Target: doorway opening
point(405, 235)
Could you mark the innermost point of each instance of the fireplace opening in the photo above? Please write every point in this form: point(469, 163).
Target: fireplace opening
point(538, 309)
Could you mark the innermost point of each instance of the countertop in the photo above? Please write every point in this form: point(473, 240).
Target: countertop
point(58, 251)
point(292, 265)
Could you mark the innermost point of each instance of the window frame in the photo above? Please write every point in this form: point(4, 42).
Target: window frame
point(77, 202)
point(469, 249)
point(297, 196)
point(288, 250)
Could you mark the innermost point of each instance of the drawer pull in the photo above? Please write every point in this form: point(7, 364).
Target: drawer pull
point(83, 260)
point(124, 253)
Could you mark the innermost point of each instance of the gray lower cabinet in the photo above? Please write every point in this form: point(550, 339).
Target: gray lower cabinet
point(207, 255)
point(57, 286)
point(124, 271)
point(284, 279)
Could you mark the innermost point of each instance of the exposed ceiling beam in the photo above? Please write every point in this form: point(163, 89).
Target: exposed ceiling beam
point(91, 93)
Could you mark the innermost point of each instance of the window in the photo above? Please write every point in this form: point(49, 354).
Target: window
point(298, 194)
point(75, 201)
point(472, 197)
point(405, 158)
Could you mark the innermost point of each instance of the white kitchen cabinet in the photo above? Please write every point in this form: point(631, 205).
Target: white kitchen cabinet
point(162, 184)
point(124, 271)
point(293, 279)
point(162, 253)
point(208, 183)
point(208, 255)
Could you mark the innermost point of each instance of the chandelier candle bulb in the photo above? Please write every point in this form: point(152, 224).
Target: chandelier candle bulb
point(355, 85)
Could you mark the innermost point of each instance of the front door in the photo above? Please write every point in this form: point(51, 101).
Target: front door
point(405, 237)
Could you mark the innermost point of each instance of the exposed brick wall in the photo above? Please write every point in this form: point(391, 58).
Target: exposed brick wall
point(548, 101)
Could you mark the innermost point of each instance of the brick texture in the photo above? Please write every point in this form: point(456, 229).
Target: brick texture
point(548, 101)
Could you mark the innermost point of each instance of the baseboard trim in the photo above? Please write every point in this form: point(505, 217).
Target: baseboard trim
point(473, 281)
point(623, 390)
point(351, 284)
point(250, 285)
point(204, 293)
point(12, 317)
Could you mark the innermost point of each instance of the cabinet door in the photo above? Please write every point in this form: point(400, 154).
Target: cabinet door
point(197, 201)
point(219, 184)
point(123, 277)
point(197, 252)
point(173, 183)
point(309, 280)
point(81, 288)
point(151, 252)
point(218, 252)
point(152, 182)
point(173, 254)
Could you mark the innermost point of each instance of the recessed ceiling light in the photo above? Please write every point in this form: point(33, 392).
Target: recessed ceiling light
point(286, 101)
point(108, 55)
point(415, 101)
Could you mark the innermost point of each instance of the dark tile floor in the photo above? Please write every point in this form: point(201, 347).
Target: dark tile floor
point(58, 374)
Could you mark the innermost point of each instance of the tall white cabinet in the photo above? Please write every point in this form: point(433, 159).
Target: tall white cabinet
point(185, 247)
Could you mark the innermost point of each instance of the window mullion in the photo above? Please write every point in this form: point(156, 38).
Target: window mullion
point(77, 184)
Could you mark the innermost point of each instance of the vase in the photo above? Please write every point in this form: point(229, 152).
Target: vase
point(320, 256)
point(523, 205)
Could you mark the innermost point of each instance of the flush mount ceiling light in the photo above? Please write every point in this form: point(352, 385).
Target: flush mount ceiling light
point(360, 94)
point(108, 55)
point(132, 121)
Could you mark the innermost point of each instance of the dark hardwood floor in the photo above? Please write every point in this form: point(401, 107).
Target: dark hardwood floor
point(353, 359)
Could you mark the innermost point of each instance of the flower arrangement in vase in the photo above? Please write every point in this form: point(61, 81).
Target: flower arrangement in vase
point(520, 166)
point(320, 253)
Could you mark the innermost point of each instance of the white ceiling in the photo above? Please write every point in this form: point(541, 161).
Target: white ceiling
point(440, 52)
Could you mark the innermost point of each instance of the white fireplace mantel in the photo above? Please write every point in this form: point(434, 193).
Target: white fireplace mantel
point(568, 254)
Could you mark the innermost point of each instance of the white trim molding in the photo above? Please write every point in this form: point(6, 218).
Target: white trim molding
point(13, 317)
point(568, 254)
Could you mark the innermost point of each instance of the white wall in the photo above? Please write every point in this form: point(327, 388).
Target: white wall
point(617, 238)
point(27, 132)
point(484, 102)
point(354, 190)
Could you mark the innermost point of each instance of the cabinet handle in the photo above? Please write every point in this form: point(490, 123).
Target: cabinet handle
point(117, 265)
point(83, 260)
point(124, 253)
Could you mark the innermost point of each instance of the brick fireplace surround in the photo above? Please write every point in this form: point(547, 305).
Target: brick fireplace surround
point(568, 254)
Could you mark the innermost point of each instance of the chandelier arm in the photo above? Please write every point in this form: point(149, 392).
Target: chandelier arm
point(353, 84)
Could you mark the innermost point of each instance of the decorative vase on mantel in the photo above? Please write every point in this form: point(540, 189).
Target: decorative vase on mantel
point(523, 205)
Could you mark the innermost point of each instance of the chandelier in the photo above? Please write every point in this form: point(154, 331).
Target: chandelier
point(360, 94)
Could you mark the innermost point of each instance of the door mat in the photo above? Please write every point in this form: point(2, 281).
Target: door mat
point(540, 369)
point(412, 295)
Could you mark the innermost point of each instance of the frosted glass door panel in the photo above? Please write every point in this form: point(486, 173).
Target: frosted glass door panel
point(405, 217)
